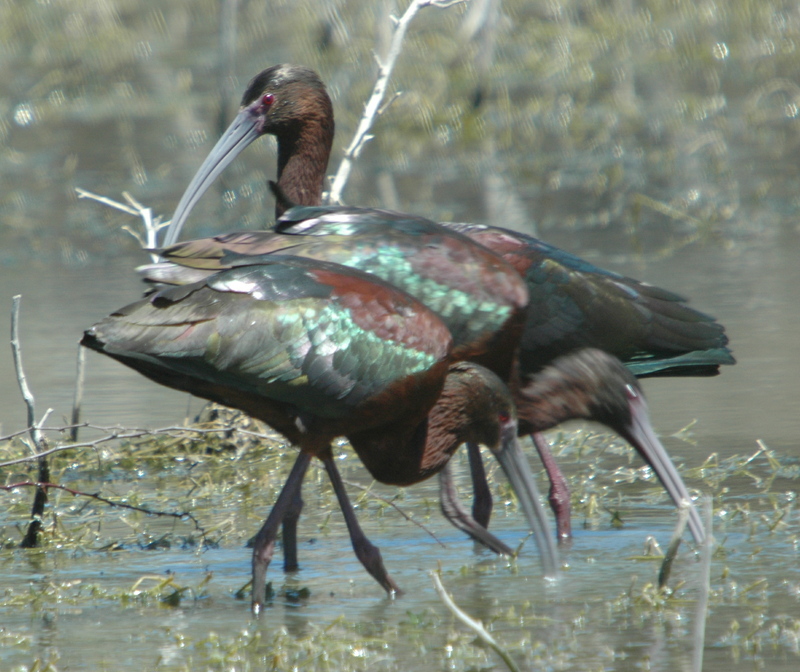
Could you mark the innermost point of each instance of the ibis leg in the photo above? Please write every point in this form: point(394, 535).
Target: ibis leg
point(290, 519)
point(454, 511)
point(481, 494)
point(264, 544)
point(366, 552)
point(559, 490)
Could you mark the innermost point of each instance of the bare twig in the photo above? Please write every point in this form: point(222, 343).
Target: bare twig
point(122, 433)
point(78, 399)
point(151, 226)
point(705, 588)
point(82, 193)
point(39, 444)
point(119, 505)
point(472, 623)
point(27, 395)
point(373, 109)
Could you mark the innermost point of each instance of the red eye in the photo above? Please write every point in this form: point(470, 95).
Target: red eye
point(503, 416)
point(267, 99)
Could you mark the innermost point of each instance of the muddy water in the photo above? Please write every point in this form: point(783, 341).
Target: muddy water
point(589, 618)
point(141, 121)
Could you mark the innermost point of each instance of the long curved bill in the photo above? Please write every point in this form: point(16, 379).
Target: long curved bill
point(239, 134)
point(516, 468)
point(641, 436)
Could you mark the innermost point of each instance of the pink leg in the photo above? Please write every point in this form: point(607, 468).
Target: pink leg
point(454, 511)
point(366, 552)
point(264, 544)
point(559, 490)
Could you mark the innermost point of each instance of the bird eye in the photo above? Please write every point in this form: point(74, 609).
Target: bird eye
point(267, 99)
point(503, 417)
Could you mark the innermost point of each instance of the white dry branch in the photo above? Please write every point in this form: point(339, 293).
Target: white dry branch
point(27, 395)
point(373, 108)
point(473, 624)
point(151, 226)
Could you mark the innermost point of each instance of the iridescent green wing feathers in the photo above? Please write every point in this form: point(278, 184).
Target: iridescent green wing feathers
point(574, 304)
point(319, 337)
point(473, 290)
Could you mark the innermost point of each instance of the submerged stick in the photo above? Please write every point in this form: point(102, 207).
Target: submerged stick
point(472, 623)
point(705, 589)
point(674, 545)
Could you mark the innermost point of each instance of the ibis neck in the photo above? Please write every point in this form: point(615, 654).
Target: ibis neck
point(399, 456)
point(546, 402)
point(302, 162)
point(408, 452)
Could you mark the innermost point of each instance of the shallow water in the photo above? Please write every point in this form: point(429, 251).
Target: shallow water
point(617, 100)
point(753, 400)
point(596, 616)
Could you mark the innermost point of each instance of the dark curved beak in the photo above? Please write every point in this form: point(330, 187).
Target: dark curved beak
point(641, 436)
point(239, 135)
point(516, 468)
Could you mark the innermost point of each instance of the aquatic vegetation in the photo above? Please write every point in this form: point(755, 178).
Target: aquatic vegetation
point(112, 561)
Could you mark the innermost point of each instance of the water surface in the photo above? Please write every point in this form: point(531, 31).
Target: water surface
point(656, 139)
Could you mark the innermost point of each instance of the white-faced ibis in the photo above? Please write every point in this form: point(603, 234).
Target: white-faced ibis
point(316, 351)
point(450, 275)
point(573, 303)
point(291, 103)
point(586, 384)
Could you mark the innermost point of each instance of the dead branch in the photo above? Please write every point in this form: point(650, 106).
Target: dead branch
point(119, 505)
point(40, 445)
point(373, 108)
point(151, 226)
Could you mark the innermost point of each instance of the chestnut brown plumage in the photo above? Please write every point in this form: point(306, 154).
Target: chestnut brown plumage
point(573, 304)
point(318, 350)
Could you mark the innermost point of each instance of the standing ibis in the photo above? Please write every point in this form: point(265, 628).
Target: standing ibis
point(317, 351)
point(573, 304)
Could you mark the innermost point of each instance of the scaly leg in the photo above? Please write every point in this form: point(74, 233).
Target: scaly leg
point(454, 511)
point(264, 544)
point(559, 490)
point(290, 519)
point(481, 493)
point(366, 552)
